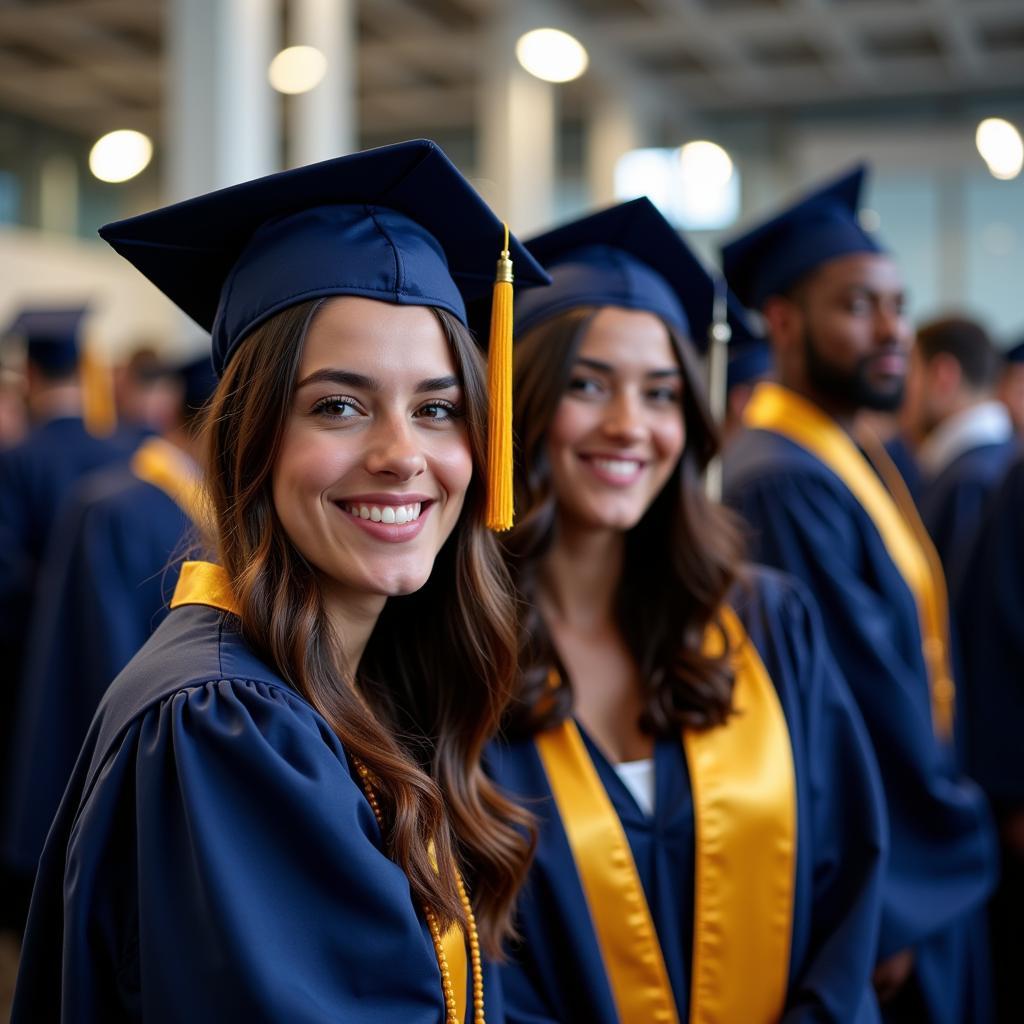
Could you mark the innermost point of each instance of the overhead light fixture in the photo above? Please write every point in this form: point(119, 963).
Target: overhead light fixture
point(552, 55)
point(297, 69)
point(696, 186)
point(120, 156)
point(704, 165)
point(1001, 147)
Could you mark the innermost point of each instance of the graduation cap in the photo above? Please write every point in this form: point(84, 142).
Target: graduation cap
point(749, 360)
point(399, 224)
point(819, 227)
point(627, 256)
point(199, 381)
point(1015, 353)
point(51, 336)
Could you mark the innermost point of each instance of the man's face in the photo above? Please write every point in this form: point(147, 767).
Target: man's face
point(856, 339)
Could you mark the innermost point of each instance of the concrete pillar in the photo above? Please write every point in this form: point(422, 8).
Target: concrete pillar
point(619, 122)
point(518, 129)
point(323, 121)
point(223, 118)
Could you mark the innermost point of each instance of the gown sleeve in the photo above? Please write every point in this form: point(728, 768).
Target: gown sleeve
point(225, 865)
point(845, 813)
point(942, 861)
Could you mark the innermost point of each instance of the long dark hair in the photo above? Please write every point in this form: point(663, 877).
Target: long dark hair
point(679, 563)
point(439, 667)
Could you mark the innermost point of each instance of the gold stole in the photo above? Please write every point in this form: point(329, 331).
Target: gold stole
point(208, 584)
point(169, 469)
point(744, 806)
point(782, 411)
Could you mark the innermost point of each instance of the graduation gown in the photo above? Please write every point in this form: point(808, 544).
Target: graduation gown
point(215, 858)
point(906, 462)
point(990, 607)
point(35, 478)
point(952, 502)
point(108, 576)
point(559, 971)
point(943, 860)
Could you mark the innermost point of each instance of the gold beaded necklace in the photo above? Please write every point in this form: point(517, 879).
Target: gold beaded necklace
point(451, 1011)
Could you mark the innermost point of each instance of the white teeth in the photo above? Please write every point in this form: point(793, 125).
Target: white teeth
point(617, 467)
point(397, 515)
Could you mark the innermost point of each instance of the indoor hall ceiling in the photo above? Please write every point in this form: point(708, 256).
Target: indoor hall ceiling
point(92, 65)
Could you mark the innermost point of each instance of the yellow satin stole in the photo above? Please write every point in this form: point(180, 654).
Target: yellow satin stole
point(745, 824)
point(208, 584)
point(782, 411)
point(169, 469)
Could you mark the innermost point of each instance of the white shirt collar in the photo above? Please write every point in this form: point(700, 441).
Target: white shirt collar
point(982, 424)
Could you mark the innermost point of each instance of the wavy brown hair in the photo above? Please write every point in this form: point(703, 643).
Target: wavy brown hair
point(440, 665)
point(679, 563)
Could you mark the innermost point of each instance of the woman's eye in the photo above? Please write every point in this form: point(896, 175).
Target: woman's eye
point(664, 396)
point(336, 408)
point(585, 386)
point(439, 411)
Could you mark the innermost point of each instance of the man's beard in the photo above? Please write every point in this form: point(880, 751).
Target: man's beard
point(855, 388)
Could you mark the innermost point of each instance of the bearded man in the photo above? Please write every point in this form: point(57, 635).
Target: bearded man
point(833, 510)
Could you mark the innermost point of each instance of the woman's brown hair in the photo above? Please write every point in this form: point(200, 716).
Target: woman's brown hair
point(679, 562)
point(439, 669)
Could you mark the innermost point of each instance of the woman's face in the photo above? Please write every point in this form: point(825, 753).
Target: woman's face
point(618, 431)
point(375, 461)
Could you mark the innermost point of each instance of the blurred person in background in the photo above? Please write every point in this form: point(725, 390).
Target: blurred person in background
point(750, 362)
point(13, 407)
point(845, 524)
point(989, 601)
point(1010, 388)
point(36, 476)
point(147, 389)
point(108, 576)
point(679, 715)
point(967, 435)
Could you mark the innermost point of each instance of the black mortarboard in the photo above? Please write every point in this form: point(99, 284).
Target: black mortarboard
point(399, 224)
point(627, 256)
point(821, 226)
point(51, 336)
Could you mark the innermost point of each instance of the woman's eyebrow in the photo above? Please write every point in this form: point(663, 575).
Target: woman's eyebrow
point(437, 384)
point(600, 367)
point(345, 378)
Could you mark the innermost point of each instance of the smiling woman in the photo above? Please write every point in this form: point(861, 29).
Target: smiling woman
point(280, 799)
point(711, 837)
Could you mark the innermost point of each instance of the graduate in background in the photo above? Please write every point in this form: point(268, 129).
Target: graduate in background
point(818, 508)
point(108, 576)
point(36, 476)
point(278, 813)
point(147, 389)
point(712, 829)
point(968, 439)
point(1010, 387)
point(989, 602)
point(750, 362)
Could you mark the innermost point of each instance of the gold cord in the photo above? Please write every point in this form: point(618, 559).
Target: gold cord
point(476, 964)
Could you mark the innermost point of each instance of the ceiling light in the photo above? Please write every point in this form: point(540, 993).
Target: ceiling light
point(1001, 147)
point(119, 156)
point(552, 55)
point(704, 165)
point(297, 69)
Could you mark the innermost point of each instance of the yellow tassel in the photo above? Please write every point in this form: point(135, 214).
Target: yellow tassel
point(98, 408)
point(499, 384)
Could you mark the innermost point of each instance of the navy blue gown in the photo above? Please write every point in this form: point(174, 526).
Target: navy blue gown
point(989, 601)
point(108, 577)
point(952, 502)
point(943, 859)
point(215, 859)
point(557, 973)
